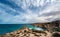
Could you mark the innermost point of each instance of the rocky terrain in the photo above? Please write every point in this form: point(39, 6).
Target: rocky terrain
point(51, 26)
point(51, 30)
point(25, 32)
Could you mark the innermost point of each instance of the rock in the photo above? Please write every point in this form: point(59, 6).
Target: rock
point(25, 32)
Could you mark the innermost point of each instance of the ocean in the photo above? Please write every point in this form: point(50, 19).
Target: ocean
point(6, 28)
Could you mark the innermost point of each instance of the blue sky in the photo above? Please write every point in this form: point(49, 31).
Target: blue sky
point(29, 11)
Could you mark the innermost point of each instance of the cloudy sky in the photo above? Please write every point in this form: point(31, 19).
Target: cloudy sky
point(29, 11)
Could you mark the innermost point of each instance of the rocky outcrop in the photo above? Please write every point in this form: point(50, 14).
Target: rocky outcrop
point(56, 34)
point(25, 32)
point(51, 26)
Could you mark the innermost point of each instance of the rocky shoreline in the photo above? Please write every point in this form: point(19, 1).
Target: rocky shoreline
point(52, 30)
point(25, 32)
point(49, 26)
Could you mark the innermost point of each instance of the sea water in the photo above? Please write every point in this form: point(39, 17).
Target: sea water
point(6, 28)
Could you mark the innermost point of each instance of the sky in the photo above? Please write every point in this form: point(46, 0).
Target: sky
point(29, 11)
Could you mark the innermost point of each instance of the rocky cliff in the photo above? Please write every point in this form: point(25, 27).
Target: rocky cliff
point(51, 26)
point(52, 29)
point(25, 32)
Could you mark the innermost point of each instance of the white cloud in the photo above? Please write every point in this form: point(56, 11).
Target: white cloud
point(44, 11)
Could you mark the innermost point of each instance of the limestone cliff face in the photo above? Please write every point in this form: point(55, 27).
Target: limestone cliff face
point(17, 33)
point(25, 32)
point(49, 25)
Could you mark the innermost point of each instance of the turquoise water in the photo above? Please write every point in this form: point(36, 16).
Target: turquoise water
point(34, 27)
point(5, 28)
